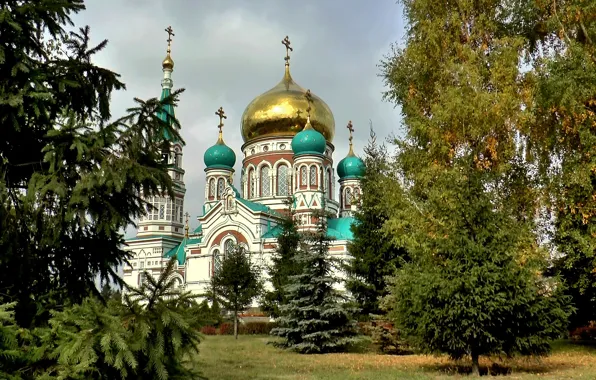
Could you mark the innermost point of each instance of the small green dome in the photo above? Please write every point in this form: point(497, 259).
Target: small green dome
point(350, 167)
point(219, 156)
point(308, 141)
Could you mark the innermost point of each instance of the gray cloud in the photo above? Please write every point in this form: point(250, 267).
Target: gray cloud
point(226, 52)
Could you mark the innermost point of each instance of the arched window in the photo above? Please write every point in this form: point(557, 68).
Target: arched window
point(265, 184)
point(221, 184)
point(348, 192)
point(303, 176)
point(251, 183)
point(330, 184)
point(282, 180)
point(212, 188)
point(356, 194)
point(229, 247)
point(216, 260)
point(313, 175)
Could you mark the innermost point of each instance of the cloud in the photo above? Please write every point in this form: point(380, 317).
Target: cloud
point(228, 52)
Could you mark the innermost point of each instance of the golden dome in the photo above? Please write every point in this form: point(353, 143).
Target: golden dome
point(281, 111)
point(168, 62)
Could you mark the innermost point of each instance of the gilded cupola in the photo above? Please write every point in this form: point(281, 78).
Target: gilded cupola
point(280, 111)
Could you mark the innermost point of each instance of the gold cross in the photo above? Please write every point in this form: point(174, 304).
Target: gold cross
point(351, 129)
point(170, 32)
point(308, 97)
point(187, 215)
point(286, 43)
point(222, 115)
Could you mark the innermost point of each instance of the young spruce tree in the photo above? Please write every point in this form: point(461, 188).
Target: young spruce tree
point(466, 211)
point(315, 318)
point(374, 256)
point(283, 266)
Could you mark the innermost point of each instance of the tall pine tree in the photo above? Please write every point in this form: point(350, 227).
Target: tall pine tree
point(374, 256)
point(315, 318)
point(70, 180)
point(466, 212)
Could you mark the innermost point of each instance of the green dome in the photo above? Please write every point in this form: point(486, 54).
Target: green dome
point(219, 156)
point(350, 167)
point(308, 141)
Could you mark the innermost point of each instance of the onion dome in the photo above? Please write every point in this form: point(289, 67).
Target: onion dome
point(220, 156)
point(279, 111)
point(350, 166)
point(309, 141)
point(168, 63)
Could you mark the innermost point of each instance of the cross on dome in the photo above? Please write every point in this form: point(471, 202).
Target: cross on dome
point(286, 42)
point(171, 34)
point(222, 115)
point(186, 228)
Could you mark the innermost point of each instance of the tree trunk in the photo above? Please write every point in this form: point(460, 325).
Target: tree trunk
point(235, 323)
point(475, 365)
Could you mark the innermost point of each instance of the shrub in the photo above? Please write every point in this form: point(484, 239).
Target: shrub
point(584, 333)
point(209, 330)
point(226, 329)
point(385, 337)
point(256, 328)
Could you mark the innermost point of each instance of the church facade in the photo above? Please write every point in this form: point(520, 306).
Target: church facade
point(287, 156)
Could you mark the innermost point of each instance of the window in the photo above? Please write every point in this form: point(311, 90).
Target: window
point(251, 183)
point(170, 209)
point(348, 196)
point(216, 260)
point(303, 173)
point(282, 180)
point(221, 184)
point(212, 188)
point(356, 194)
point(179, 205)
point(142, 278)
point(265, 184)
point(330, 183)
point(313, 175)
point(229, 247)
point(162, 208)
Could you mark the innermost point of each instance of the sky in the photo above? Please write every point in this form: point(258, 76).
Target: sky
point(227, 52)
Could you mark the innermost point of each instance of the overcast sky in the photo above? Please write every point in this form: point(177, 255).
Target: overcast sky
point(226, 52)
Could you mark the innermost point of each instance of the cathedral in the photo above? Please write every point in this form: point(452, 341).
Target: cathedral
point(287, 154)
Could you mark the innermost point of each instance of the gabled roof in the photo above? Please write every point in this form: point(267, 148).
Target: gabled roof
point(180, 250)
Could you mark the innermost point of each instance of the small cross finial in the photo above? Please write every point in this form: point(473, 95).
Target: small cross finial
point(350, 127)
point(186, 228)
point(308, 97)
point(222, 115)
point(286, 43)
point(171, 34)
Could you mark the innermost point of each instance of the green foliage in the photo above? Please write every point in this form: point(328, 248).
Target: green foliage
point(374, 256)
point(12, 356)
point(70, 180)
point(466, 210)
point(237, 283)
point(283, 266)
point(315, 317)
point(564, 142)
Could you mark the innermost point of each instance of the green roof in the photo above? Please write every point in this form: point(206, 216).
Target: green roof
point(337, 229)
point(166, 114)
point(199, 229)
point(179, 251)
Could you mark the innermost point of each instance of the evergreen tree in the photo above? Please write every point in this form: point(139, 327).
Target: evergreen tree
point(315, 318)
point(373, 255)
point(466, 209)
point(237, 283)
point(564, 141)
point(70, 180)
point(283, 266)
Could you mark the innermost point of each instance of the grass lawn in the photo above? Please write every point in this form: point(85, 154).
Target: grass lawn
point(223, 358)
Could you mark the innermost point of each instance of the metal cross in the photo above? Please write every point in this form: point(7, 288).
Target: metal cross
point(286, 43)
point(222, 115)
point(187, 215)
point(351, 129)
point(308, 97)
point(171, 34)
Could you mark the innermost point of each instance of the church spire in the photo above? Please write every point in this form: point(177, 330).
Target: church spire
point(168, 63)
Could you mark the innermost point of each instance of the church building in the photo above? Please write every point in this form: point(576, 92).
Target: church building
point(287, 154)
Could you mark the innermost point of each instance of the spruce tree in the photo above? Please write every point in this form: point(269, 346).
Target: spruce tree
point(70, 179)
point(466, 209)
point(374, 256)
point(283, 266)
point(315, 317)
point(237, 283)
